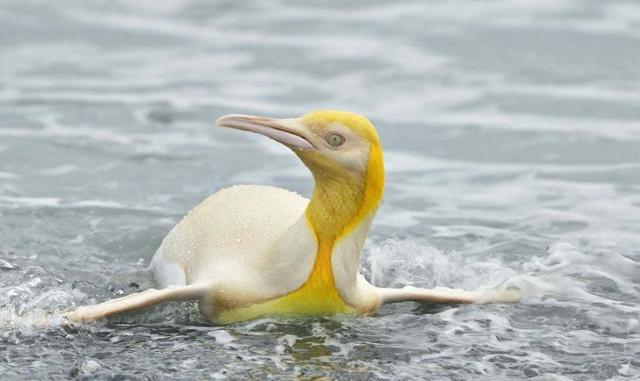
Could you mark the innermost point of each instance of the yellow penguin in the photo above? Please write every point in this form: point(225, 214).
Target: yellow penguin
point(249, 251)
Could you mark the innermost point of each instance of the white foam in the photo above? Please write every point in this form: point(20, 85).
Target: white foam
point(8, 175)
point(60, 170)
point(31, 202)
point(398, 263)
point(221, 337)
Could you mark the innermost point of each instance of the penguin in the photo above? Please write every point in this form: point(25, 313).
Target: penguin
point(250, 251)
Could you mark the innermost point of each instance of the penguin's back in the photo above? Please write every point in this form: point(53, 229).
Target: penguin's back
point(234, 227)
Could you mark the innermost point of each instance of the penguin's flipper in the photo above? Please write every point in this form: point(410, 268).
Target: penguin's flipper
point(443, 295)
point(136, 301)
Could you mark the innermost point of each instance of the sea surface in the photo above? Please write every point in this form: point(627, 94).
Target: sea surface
point(511, 132)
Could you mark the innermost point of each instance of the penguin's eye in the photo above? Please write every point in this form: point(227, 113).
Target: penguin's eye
point(335, 140)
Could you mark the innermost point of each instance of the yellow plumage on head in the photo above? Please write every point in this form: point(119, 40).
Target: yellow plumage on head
point(356, 122)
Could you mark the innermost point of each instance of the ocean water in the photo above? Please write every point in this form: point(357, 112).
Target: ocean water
point(511, 132)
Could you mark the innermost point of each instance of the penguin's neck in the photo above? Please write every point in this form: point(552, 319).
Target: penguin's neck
point(334, 207)
point(341, 205)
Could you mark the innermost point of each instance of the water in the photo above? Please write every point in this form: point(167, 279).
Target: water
point(512, 140)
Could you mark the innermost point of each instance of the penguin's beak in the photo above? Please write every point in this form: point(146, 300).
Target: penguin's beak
point(290, 132)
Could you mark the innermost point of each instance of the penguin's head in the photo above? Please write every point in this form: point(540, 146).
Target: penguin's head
point(334, 145)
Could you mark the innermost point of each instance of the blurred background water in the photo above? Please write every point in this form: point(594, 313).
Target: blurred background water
point(512, 138)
